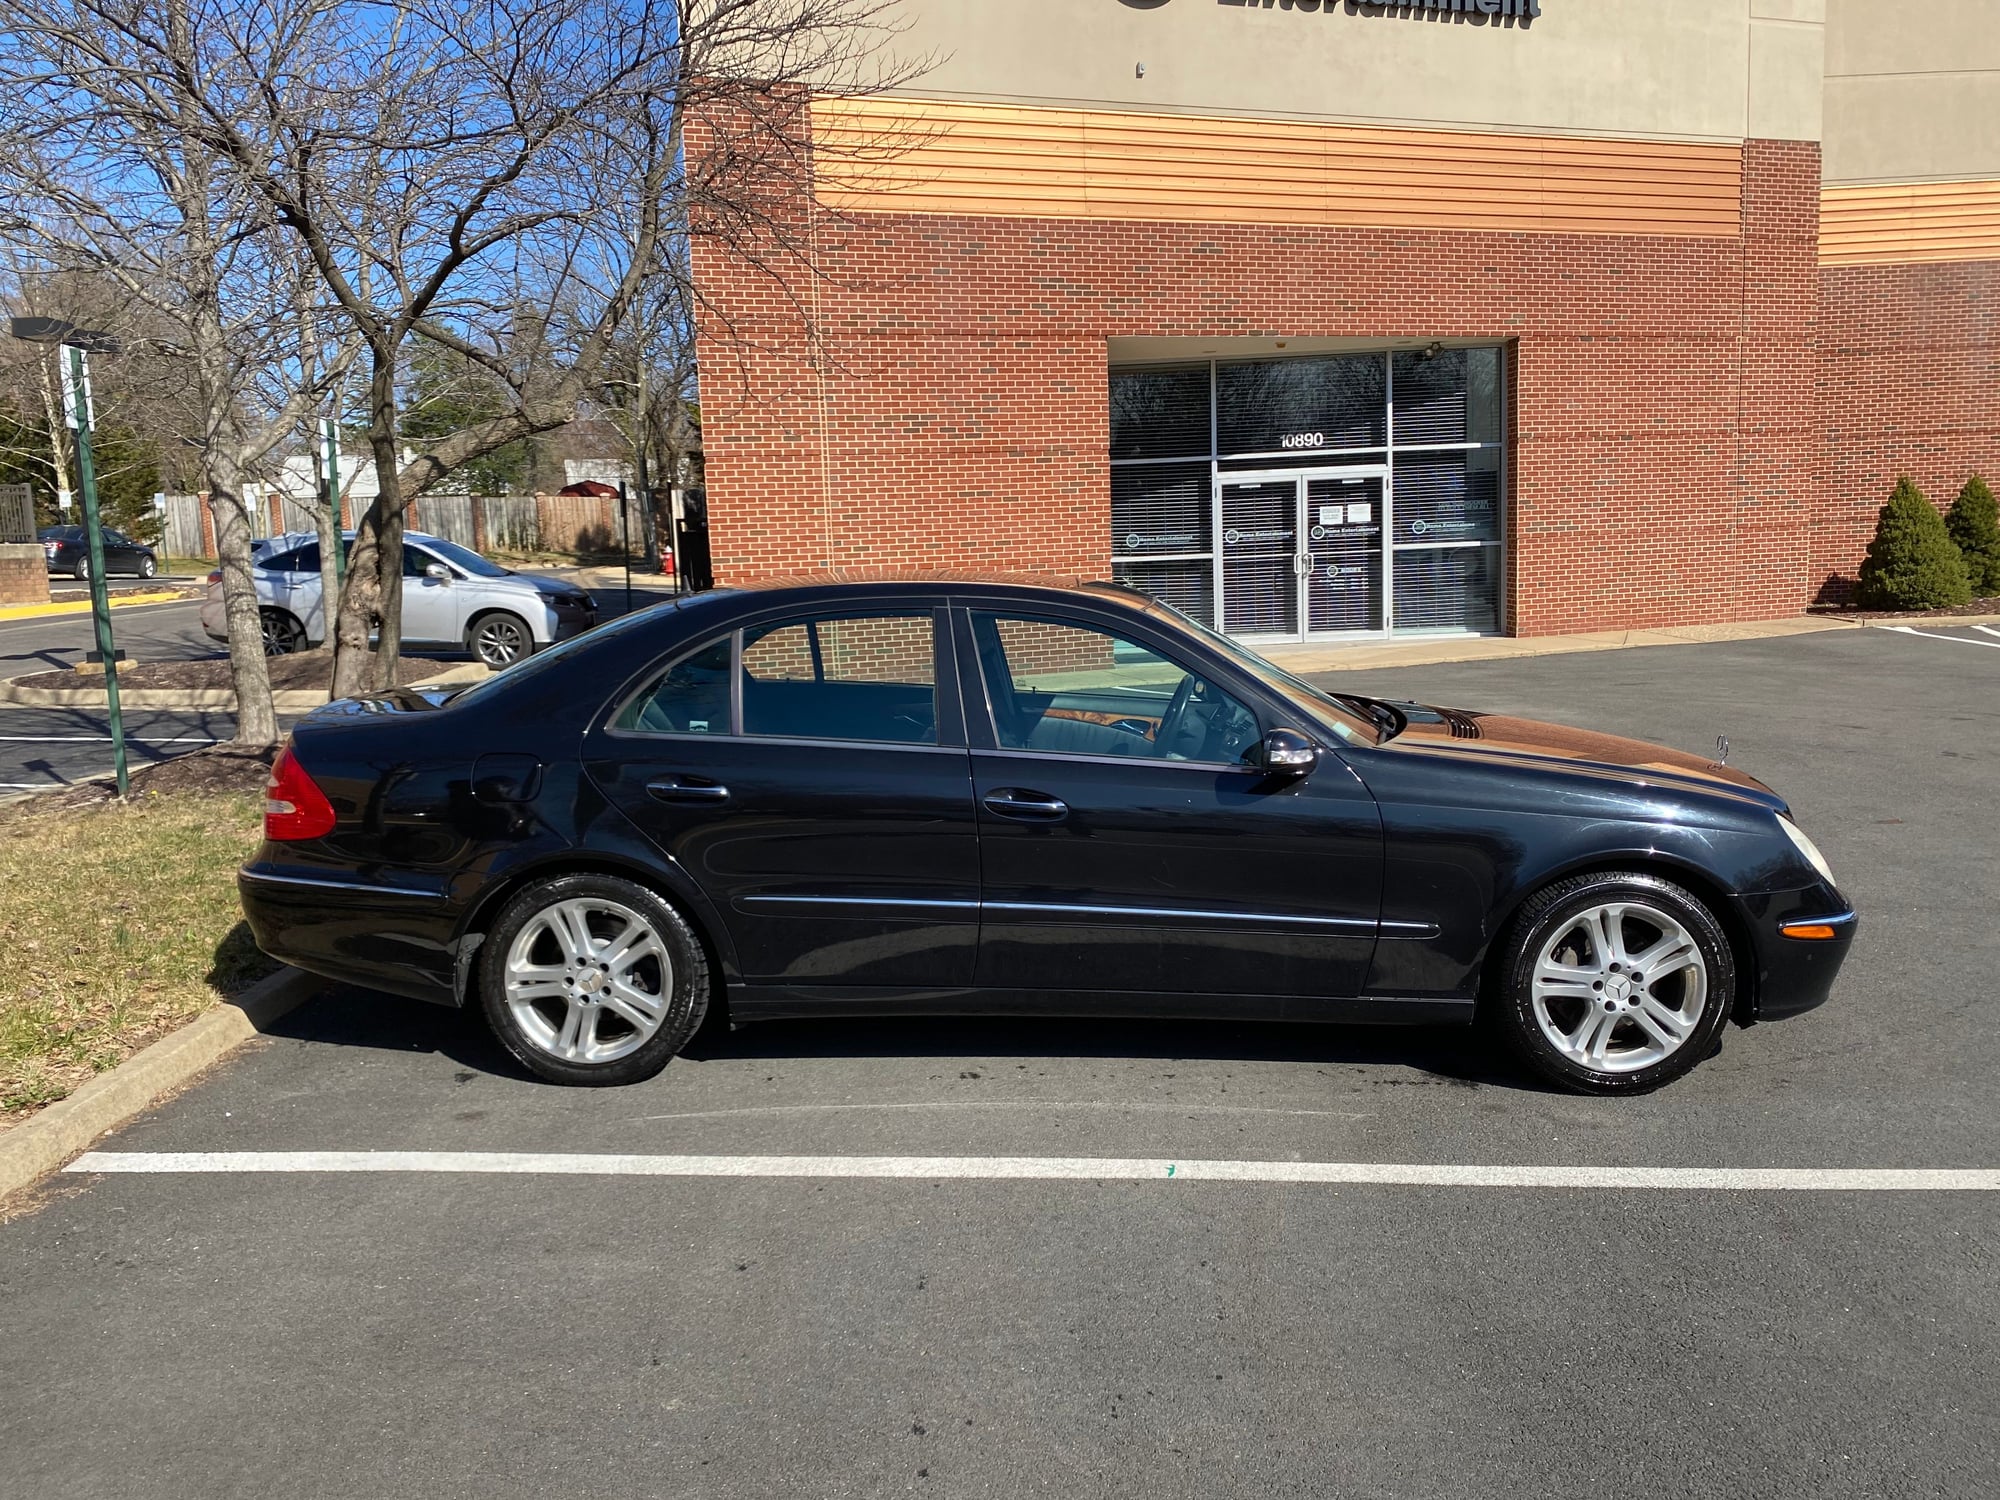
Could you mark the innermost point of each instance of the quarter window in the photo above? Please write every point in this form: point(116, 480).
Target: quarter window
point(1070, 689)
point(692, 698)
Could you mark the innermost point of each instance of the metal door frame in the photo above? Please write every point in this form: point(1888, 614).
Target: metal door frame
point(1300, 576)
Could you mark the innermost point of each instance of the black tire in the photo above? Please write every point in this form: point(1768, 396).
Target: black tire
point(1632, 1029)
point(499, 639)
point(283, 634)
point(81, 572)
point(147, 567)
point(684, 987)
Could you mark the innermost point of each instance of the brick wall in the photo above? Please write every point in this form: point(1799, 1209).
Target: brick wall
point(1909, 384)
point(24, 573)
point(1665, 463)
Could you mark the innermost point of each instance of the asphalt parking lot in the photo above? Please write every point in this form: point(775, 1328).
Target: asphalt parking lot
point(536, 1331)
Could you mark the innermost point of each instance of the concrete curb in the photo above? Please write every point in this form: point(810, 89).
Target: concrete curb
point(41, 1144)
point(1356, 658)
point(82, 606)
point(286, 701)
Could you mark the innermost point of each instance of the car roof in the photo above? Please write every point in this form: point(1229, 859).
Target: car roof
point(845, 582)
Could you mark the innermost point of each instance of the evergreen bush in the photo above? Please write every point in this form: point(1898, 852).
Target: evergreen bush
point(1974, 523)
point(1913, 563)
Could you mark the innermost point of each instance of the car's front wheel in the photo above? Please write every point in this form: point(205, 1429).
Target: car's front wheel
point(591, 979)
point(499, 639)
point(1614, 983)
point(147, 567)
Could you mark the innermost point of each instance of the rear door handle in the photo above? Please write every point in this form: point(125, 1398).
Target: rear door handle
point(1026, 807)
point(673, 789)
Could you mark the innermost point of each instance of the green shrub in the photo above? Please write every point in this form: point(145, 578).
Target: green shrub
point(1974, 523)
point(1913, 562)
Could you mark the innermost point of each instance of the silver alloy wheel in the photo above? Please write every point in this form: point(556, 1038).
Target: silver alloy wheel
point(588, 980)
point(147, 567)
point(1620, 987)
point(499, 641)
point(282, 634)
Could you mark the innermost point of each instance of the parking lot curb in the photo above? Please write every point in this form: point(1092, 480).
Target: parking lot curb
point(41, 1144)
point(82, 606)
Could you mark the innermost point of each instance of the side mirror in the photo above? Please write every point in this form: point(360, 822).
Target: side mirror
point(1286, 752)
point(438, 571)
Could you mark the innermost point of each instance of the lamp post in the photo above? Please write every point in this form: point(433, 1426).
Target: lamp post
point(75, 345)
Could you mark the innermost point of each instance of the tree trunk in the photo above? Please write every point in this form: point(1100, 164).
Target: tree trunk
point(256, 717)
point(373, 599)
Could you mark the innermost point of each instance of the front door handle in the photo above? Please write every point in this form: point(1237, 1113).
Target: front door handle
point(1025, 806)
point(673, 789)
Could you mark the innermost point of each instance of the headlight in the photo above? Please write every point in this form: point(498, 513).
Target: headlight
point(1808, 848)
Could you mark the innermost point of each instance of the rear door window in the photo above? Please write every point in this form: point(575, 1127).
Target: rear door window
point(867, 677)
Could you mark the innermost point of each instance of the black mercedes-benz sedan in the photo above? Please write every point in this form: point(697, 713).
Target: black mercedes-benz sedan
point(847, 798)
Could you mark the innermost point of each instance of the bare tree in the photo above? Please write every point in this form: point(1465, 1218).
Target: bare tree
point(99, 134)
point(448, 163)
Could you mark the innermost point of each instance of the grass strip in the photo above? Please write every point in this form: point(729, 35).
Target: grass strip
point(119, 922)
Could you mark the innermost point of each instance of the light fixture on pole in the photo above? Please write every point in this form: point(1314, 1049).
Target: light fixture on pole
point(75, 346)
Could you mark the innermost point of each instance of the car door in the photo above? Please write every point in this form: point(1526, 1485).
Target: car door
point(432, 607)
point(1126, 846)
point(120, 556)
point(809, 772)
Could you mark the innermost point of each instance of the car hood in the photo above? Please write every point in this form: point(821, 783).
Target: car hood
point(554, 588)
point(1557, 746)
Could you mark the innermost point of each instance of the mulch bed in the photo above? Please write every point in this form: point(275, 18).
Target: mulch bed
point(215, 770)
point(1987, 606)
point(306, 670)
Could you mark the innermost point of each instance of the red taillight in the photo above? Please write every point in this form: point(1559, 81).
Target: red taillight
point(216, 576)
point(294, 806)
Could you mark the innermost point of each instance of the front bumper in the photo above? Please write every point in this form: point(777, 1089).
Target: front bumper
point(1793, 974)
point(565, 623)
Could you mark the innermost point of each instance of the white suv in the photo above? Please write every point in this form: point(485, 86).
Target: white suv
point(452, 598)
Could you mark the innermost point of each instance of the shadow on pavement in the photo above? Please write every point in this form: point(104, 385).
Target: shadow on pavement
point(344, 1016)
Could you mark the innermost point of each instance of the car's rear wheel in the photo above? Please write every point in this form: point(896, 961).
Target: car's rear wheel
point(283, 634)
point(1614, 983)
point(499, 639)
point(82, 569)
point(591, 979)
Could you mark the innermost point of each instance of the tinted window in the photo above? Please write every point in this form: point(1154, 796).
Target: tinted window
point(466, 560)
point(691, 698)
point(1074, 690)
point(288, 562)
point(853, 678)
point(1334, 401)
point(415, 560)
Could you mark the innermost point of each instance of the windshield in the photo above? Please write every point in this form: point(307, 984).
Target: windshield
point(464, 558)
point(1338, 715)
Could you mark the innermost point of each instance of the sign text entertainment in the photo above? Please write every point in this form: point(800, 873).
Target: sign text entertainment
point(1527, 10)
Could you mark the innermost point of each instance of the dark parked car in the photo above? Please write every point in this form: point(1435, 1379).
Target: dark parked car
point(68, 551)
point(846, 798)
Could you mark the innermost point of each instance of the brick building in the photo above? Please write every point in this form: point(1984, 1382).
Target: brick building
point(1337, 319)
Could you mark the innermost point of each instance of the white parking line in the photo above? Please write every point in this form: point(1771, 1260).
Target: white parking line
point(1932, 635)
point(1058, 1169)
point(1986, 630)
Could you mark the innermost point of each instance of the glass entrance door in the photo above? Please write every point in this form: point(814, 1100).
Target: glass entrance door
point(1301, 554)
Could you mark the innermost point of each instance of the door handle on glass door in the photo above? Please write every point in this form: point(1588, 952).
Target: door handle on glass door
point(673, 789)
point(1029, 807)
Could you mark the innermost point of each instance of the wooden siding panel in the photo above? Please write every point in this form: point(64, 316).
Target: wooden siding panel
point(927, 156)
point(1908, 222)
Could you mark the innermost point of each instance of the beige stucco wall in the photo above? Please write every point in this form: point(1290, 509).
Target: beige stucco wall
point(1701, 69)
point(1912, 91)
